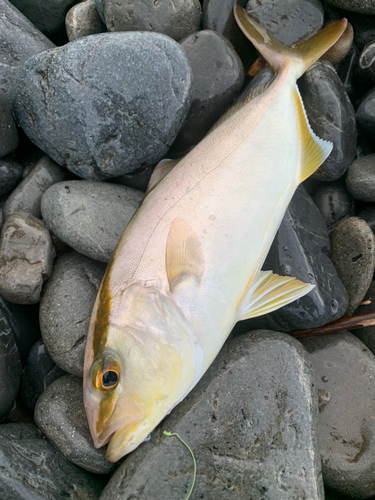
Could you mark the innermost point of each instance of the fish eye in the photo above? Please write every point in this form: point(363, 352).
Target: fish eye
point(109, 379)
point(106, 374)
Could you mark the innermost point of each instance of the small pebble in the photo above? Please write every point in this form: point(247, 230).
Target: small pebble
point(26, 256)
point(352, 253)
point(360, 180)
point(366, 62)
point(366, 115)
point(334, 202)
point(82, 20)
point(10, 175)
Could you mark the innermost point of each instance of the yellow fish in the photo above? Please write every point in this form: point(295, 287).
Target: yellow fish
point(188, 266)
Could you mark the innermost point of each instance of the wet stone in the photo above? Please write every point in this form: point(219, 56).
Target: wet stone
point(352, 253)
point(39, 372)
point(90, 216)
point(331, 116)
point(366, 115)
point(28, 194)
point(289, 21)
point(61, 416)
point(253, 432)
point(360, 6)
point(360, 180)
point(82, 20)
point(345, 368)
point(26, 256)
point(366, 62)
point(127, 122)
point(334, 202)
point(176, 19)
point(218, 76)
point(65, 309)
point(341, 48)
point(10, 175)
point(30, 468)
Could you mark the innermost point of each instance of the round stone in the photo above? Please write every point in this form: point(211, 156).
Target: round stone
point(127, 122)
point(360, 180)
point(366, 115)
point(366, 62)
point(66, 307)
point(334, 202)
point(82, 20)
point(361, 6)
point(10, 175)
point(90, 216)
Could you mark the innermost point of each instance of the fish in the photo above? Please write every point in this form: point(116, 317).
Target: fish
point(189, 264)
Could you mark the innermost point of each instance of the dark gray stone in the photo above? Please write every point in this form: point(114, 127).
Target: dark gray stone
point(82, 20)
point(31, 469)
point(360, 180)
point(176, 19)
point(361, 6)
point(290, 21)
point(368, 215)
point(251, 423)
point(218, 76)
point(48, 16)
point(340, 49)
point(345, 368)
point(28, 194)
point(366, 115)
point(39, 372)
point(366, 63)
point(10, 175)
point(10, 366)
point(90, 216)
point(102, 131)
point(8, 128)
point(66, 307)
point(60, 415)
point(353, 255)
point(364, 28)
point(26, 256)
point(331, 116)
point(334, 202)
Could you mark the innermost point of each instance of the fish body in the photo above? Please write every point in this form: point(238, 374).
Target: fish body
point(188, 265)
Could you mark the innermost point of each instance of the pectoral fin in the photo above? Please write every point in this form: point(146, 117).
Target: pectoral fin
point(184, 259)
point(268, 292)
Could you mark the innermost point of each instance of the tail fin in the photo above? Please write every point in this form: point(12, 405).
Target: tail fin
point(279, 55)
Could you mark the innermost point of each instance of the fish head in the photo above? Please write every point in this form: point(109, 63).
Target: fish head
point(140, 362)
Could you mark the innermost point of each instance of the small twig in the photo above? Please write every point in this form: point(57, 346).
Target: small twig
point(259, 64)
point(350, 323)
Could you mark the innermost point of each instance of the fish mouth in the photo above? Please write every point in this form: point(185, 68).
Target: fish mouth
point(127, 439)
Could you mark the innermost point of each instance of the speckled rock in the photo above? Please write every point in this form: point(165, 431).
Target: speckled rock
point(26, 256)
point(90, 216)
point(361, 6)
point(360, 180)
point(252, 431)
point(367, 335)
point(61, 416)
point(39, 372)
point(345, 370)
point(82, 20)
point(218, 76)
point(176, 19)
point(104, 131)
point(366, 115)
point(353, 255)
point(332, 117)
point(48, 17)
point(65, 309)
point(341, 48)
point(10, 175)
point(28, 194)
point(334, 202)
point(30, 468)
point(290, 21)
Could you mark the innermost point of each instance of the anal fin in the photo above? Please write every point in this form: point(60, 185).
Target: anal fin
point(268, 292)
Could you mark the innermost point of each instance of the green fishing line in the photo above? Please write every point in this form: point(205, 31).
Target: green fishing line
point(191, 453)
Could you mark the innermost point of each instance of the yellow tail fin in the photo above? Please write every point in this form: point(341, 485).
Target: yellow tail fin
point(278, 55)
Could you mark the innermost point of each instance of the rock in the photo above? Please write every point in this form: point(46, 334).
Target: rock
point(10, 366)
point(61, 416)
point(8, 128)
point(26, 256)
point(127, 122)
point(366, 66)
point(331, 116)
point(341, 48)
point(301, 249)
point(176, 19)
point(361, 6)
point(361, 178)
point(39, 372)
point(28, 194)
point(10, 175)
point(30, 468)
point(100, 9)
point(82, 20)
point(66, 307)
point(48, 17)
point(346, 69)
point(334, 202)
point(218, 76)
point(290, 21)
point(252, 431)
point(366, 115)
point(346, 369)
point(218, 16)
point(367, 335)
point(368, 215)
point(353, 247)
point(90, 216)
point(364, 29)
